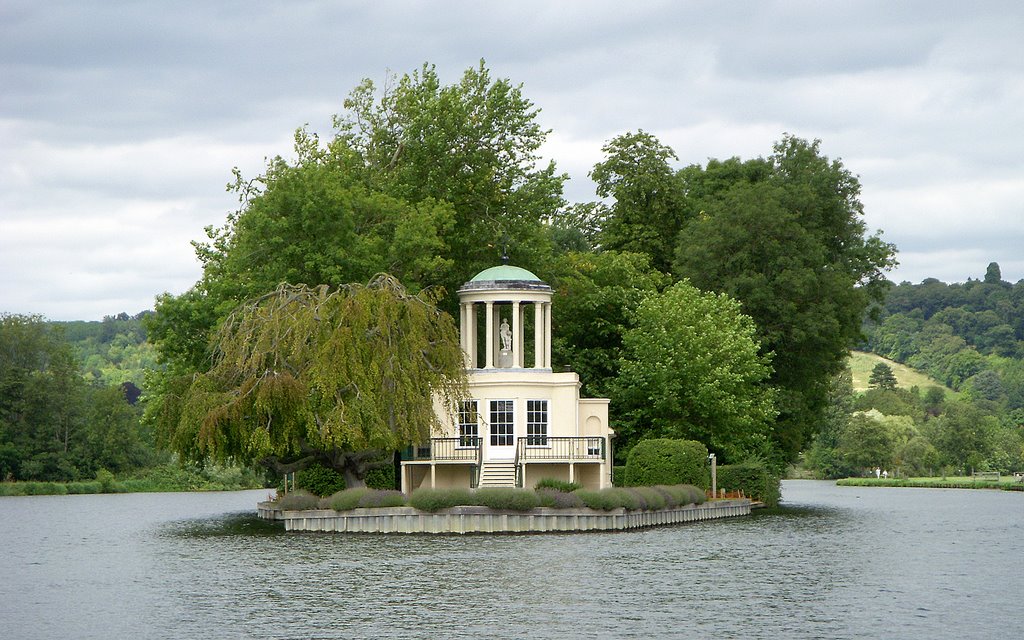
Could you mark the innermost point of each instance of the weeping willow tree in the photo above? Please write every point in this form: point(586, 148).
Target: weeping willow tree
point(336, 376)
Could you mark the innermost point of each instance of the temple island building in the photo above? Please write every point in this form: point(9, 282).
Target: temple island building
point(522, 421)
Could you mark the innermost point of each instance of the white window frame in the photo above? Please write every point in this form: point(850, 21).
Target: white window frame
point(463, 424)
point(491, 412)
point(532, 413)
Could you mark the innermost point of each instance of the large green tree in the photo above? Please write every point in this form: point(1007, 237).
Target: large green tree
point(786, 237)
point(692, 370)
point(335, 376)
point(595, 294)
point(473, 144)
point(647, 200)
point(422, 180)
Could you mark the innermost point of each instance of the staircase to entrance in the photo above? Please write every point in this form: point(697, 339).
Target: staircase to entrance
point(497, 473)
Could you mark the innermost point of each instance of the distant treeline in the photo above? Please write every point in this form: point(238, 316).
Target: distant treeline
point(60, 420)
point(970, 336)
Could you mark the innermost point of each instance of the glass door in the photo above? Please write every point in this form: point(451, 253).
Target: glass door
point(502, 439)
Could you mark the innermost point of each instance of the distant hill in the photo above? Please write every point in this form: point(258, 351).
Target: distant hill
point(111, 352)
point(861, 364)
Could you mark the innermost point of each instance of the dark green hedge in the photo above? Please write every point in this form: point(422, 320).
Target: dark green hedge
point(666, 461)
point(322, 481)
point(754, 479)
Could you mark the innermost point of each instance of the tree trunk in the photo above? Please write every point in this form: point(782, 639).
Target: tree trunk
point(353, 480)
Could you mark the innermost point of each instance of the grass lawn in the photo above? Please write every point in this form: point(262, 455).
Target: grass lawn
point(862, 363)
point(950, 482)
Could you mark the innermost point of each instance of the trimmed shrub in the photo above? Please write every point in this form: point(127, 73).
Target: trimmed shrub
point(608, 499)
point(298, 500)
point(436, 499)
point(345, 500)
point(671, 497)
point(667, 462)
point(753, 478)
point(558, 499)
point(599, 500)
point(382, 478)
point(364, 497)
point(506, 499)
point(651, 497)
point(382, 498)
point(685, 494)
point(319, 480)
point(557, 485)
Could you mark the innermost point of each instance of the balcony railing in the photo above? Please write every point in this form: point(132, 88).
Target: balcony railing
point(446, 449)
point(528, 449)
point(557, 448)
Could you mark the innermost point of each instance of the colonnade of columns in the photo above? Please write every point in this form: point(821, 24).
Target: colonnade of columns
point(468, 323)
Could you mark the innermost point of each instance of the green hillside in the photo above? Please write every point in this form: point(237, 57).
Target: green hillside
point(862, 363)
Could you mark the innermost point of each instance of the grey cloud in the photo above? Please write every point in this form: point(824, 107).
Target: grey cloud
point(121, 120)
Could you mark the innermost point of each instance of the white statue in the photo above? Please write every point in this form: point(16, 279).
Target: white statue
point(506, 335)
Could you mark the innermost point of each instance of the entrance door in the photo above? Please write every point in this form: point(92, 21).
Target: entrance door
point(502, 440)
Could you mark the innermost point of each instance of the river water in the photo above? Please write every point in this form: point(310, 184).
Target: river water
point(834, 562)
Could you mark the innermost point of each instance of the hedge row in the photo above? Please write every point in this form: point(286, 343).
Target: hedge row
point(504, 499)
point(321, 481)
point(754, 479)
point(664, 461)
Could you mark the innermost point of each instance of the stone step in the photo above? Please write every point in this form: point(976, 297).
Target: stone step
point(498, 474)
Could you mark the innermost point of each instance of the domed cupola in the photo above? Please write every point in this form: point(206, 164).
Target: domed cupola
point(504, 292)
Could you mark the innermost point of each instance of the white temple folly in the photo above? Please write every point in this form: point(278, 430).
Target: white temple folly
point(522, 422)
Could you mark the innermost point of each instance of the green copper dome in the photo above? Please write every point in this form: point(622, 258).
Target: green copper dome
point(505, 272)
point(504, 277)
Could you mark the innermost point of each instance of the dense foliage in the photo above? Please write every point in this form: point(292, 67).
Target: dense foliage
point(114, 351)
point(341, 377)
point(709, 302)
point(691, 369)
point(968, 336)
point(755, 479)
point(667, 461)
point(54, 425)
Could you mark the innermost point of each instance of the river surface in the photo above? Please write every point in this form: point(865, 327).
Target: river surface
point(835, 562)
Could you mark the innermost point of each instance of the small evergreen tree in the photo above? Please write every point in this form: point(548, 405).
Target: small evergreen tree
point(882, 377)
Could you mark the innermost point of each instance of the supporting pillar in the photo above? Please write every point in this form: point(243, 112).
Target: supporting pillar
point(474, 355)
point(547, 335)
point(491, 336)
point(517, 336)
point(538, 335)
point(464, 336)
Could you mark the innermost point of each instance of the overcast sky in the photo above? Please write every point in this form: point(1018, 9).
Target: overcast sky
point(120, 121)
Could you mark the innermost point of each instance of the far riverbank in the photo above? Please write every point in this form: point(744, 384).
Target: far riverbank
point(1005, 483)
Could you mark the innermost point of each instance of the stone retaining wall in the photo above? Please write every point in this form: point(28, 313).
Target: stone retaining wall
point(484, 520)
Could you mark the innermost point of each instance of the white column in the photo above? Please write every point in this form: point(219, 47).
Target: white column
point(474, 357)
point(464, 334)
point(547, 335)
point(538, 336)
point(490, 336)
point(517, 338)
